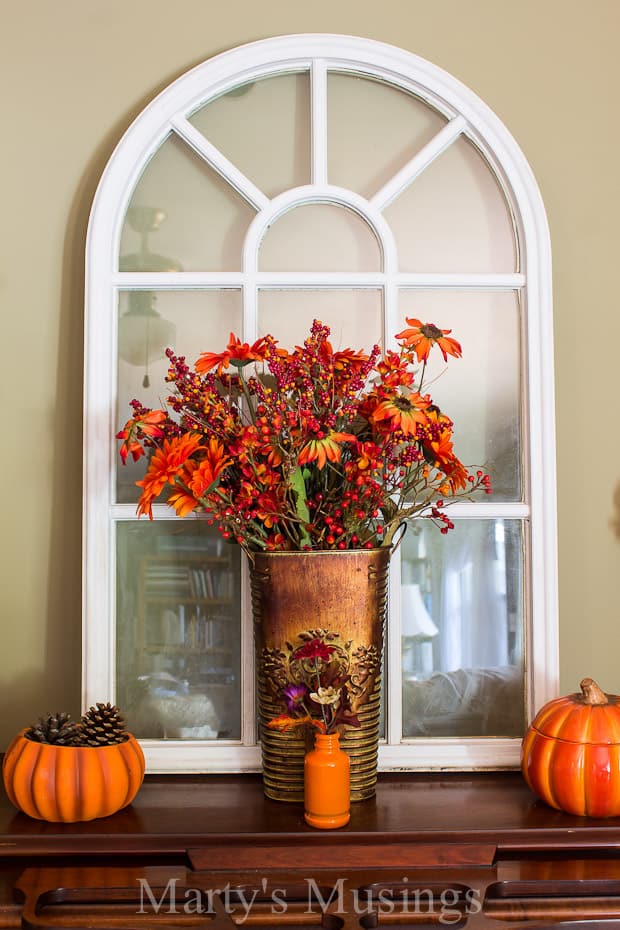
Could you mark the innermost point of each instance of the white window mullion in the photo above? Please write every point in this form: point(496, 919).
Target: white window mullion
point(318, 125)
point(393, 692)
point(176, 280)
point(315, 280)
point(392, 319)
point(425, 157)
point(218, 161)
point(186, 280)
point(462, 282)
point(249, 325)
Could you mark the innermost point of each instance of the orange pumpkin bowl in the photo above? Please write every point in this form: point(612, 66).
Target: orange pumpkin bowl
point(570, 755)
point(72, 783)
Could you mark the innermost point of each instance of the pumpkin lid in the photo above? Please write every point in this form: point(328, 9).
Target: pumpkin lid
point(591, 717)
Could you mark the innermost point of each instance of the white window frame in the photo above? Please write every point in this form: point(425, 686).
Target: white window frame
point(467, 116)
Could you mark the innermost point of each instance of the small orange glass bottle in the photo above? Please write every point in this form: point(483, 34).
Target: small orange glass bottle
point(327, 783)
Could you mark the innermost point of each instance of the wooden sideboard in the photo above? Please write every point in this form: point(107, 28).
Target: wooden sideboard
point(464, 850)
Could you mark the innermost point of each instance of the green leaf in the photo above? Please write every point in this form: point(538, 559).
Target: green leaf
point(301, 503)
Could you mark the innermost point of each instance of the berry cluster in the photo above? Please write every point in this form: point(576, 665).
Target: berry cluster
point(309, 449)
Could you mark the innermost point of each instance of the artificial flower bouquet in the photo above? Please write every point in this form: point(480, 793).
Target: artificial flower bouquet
point(306, 449)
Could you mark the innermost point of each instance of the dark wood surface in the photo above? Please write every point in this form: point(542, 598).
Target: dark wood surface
point(502, 858)
point(172, 814)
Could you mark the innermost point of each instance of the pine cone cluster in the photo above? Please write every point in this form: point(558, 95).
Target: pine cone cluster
point(101, 725)
point(57, 729)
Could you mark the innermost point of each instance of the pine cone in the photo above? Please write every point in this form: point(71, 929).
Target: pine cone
point(57, 729)
point(102, 725)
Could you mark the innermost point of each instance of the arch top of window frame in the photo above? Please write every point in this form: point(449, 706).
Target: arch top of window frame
point(168, 113)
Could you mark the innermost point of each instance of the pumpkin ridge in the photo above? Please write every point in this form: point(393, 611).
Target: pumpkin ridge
point(93, 779)
point(128, 765)
point(133, 758)
point(573, 723)
point(11, 760)
point(108, 777)
point(41, 763)
point(549, 795)
point(551, 719)
point(65, 783)
point(551, 792)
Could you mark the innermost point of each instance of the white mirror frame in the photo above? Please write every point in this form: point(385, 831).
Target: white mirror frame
point(467, 115)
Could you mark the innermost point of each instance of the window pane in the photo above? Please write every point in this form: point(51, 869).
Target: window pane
point(462, 629)
point(480, 392)
point(178, 631)
point(320, 237)
point(373, 129)
point(454, 217)
point(263, 127)
point(183, 216)
point(188, 321)
point(353, 316)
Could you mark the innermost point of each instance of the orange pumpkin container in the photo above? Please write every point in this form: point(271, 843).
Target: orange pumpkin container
point(570, 755)
point(72, 783)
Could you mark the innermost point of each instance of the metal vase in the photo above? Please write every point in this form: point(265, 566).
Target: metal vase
point(340, 592)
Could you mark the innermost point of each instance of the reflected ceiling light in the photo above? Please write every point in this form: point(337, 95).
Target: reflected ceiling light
point(143, 334)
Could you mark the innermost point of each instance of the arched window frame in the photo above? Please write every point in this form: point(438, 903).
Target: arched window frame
point(467, 115)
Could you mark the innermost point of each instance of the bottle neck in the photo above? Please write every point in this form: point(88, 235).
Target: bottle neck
point(328, 741)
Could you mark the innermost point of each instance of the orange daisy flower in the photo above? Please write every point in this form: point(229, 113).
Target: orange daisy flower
point(236, 353)
point(349, 359)
point(422, 336)
point(147, 425)
point(183, 502)
point(404, 413)
point(209, 468)
point(164, 467)
point(325, 449)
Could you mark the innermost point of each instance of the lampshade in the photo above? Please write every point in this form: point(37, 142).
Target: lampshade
point(143, 334)
point(415, 618)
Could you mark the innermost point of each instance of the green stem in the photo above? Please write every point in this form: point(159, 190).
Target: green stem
point(246, 394)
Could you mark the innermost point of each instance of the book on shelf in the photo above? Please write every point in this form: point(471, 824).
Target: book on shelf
point(210, 545)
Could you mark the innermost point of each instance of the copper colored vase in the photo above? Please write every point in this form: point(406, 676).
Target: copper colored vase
point(336, 592)
point(327, 801)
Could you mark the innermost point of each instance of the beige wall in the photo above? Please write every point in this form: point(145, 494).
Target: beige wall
point(74, 75)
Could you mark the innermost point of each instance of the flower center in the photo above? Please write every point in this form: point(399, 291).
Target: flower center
point(431, 331)
point(402, 403)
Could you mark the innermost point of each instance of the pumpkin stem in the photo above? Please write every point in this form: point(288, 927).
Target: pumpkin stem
point(591, 692)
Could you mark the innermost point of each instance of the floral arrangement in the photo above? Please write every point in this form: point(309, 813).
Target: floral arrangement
point(320, 681)
point(304, 449)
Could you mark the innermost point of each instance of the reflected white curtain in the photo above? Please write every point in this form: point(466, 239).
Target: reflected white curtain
point(471, 611)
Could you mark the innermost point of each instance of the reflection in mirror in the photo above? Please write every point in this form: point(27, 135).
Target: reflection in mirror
point(462, 633)
point(454, 217)
point(481, 391)
point(320, 237)
point(263, 128)
point(199, 321)
point(206, 220)
point(178, 631)
point(354, 316)
point(373, 130)
point(143, 333)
